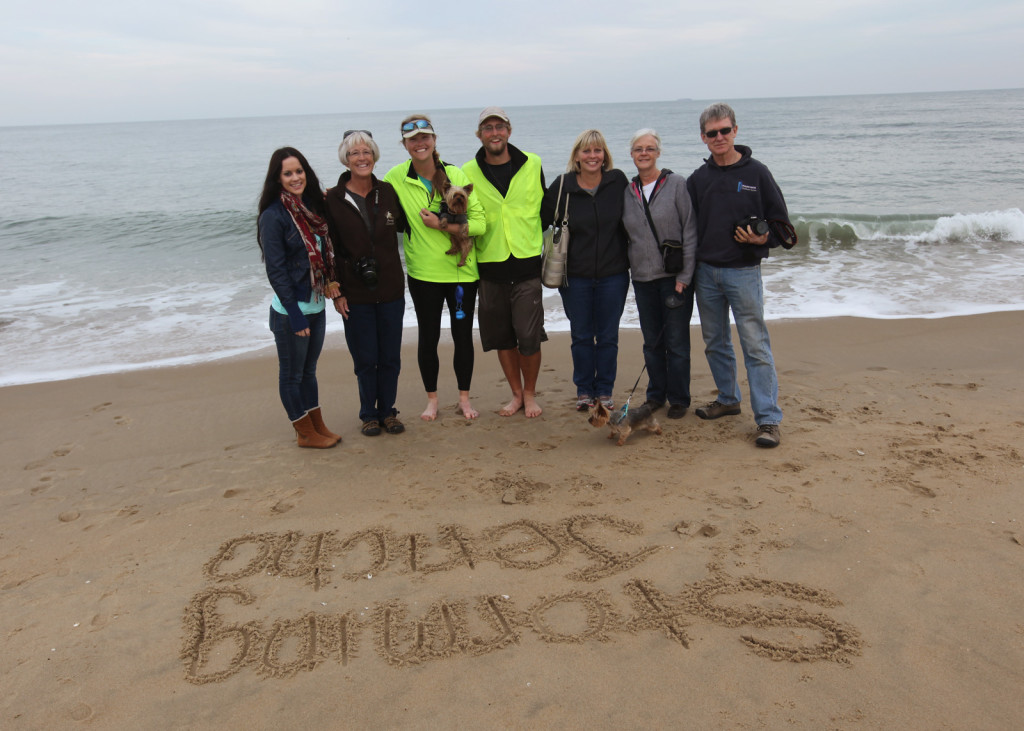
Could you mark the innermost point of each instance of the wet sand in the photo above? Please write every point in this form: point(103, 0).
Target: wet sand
point(170, 559)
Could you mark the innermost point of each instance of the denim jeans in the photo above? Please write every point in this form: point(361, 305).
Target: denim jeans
point(594, 308)
point(718, 290)
point(374, 336)
point(666, 332)
point(296, 358)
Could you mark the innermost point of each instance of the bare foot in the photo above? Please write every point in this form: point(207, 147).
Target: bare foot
point(533, 409)
point(513, 406)
point(466, 408)
point(430, 413)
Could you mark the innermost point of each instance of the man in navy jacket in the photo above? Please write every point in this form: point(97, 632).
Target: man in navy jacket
point(731, 193)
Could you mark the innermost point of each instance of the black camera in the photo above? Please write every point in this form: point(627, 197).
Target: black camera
point(758, 225)
point(366, 268)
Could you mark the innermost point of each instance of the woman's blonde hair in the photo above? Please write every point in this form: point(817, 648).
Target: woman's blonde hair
point(589, 138)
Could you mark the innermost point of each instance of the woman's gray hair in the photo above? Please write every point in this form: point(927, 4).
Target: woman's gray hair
point(717, 111)
point(588, 138)
point(359, 137)
point(645, 132)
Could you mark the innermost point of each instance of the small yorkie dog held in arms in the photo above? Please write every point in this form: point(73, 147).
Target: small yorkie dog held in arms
point(454, 219)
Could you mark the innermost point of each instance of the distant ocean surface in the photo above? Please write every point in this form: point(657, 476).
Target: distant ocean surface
point(133, 245)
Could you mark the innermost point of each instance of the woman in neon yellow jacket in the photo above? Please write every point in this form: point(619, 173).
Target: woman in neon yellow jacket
point(434, 275)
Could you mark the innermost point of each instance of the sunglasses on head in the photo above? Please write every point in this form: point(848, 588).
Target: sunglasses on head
point(713, 133)
point(416, 124)
point(350, 132)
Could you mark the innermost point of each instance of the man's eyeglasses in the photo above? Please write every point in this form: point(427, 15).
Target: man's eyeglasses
point(416, 124)
point(350, 132)
point(648, 150)
point(498, 127)
point(713, 133)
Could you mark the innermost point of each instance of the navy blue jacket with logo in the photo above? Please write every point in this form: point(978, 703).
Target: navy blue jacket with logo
point(724, 195)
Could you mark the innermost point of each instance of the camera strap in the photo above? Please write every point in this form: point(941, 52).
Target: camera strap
point(784, 232)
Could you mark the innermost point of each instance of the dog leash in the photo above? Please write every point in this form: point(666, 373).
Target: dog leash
point(625, 406)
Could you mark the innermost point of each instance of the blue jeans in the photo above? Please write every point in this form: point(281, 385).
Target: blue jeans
point(666, 332)
point(594, 308)
point(296, 358)
point(718, 290)
point(374, 336)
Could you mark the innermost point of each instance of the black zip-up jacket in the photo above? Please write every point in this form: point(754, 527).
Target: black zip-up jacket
point(724, 195)
point(352, 241)
point(597, 239)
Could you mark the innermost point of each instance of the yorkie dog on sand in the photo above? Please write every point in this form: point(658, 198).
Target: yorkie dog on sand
point(639, 418)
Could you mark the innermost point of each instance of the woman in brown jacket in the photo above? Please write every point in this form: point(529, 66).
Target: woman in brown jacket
point(366, 218)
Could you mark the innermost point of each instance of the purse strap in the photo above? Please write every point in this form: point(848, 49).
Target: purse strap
point(558, 200)
point(647, 208)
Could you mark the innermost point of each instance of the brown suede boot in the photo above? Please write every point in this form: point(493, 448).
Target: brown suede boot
point(307, 436)
point(321, 428)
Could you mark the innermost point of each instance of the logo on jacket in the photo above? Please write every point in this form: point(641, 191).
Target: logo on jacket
point(389, 220)
point(740, 187)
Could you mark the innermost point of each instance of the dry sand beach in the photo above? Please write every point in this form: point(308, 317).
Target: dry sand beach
point(170, 559)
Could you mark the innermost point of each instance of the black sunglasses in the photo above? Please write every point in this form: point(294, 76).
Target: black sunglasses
point(349, 132)
point(713, 133)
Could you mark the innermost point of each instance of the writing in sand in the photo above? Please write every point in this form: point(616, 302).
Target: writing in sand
point(217, 646)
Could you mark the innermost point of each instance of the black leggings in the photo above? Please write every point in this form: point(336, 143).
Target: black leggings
point(429, 298)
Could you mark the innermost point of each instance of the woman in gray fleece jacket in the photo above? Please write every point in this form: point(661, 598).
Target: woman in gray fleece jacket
point(657, 210)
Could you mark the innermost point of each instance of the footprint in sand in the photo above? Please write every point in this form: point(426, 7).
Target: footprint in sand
point(81, 712)
point(61, 451)
point(918, 489)
point(69, 516)
point(279, 505)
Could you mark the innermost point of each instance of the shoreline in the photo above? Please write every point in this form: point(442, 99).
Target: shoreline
point(336, 343)
point(170, 559)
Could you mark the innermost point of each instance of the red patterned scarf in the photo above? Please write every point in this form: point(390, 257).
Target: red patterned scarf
point(310, 225)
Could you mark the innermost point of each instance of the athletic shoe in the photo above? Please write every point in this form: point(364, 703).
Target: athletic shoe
point(584, 402)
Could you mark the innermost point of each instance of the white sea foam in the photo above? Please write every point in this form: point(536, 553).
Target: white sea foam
point(149, 265)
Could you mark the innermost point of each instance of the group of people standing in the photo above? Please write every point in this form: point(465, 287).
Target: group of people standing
point(679, 239)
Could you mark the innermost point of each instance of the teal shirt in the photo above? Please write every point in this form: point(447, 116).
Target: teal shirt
point(316, 303)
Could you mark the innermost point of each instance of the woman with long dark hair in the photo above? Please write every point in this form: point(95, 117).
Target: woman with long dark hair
point(293, 237)
point(435, 277)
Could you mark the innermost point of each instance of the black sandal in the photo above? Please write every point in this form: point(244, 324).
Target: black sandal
point(371, 428)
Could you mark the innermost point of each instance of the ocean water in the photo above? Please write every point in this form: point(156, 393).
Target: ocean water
point(132, 245)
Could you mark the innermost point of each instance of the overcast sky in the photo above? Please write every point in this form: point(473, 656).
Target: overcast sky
point(72, 61)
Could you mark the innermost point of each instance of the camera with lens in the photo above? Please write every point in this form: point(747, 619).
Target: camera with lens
point(366, 269)
point(758, 225)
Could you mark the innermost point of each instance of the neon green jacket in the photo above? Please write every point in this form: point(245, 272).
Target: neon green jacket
point(513, 221)
point(425, 248)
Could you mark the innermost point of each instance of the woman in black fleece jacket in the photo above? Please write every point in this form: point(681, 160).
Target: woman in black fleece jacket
point(597, 267)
